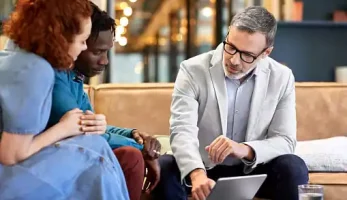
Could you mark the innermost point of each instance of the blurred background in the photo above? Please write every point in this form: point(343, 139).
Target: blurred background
point(154, 36)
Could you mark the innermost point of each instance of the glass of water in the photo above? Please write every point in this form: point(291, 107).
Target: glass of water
point(311, 192)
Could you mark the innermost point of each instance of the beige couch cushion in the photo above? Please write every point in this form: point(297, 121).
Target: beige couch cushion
point(334, 184)
point(328, 178)
point(90, 92)
point(143, 106)
point(321, 113)
point(321, 110)
point(320, 107)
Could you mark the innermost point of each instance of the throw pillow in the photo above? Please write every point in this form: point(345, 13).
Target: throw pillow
point(324, 155)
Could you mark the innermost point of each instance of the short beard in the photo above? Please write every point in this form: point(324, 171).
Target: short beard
point(241, 74)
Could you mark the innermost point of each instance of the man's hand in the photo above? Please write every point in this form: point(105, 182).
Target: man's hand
point(222, 147)
point(151, 146)
point(201, 184)
point(153, 175)
point(93, 123)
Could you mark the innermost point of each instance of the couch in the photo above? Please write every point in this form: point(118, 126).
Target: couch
point(321, 113)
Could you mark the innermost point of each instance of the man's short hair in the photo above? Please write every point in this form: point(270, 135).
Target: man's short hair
point(257, 19)
point(101, 21)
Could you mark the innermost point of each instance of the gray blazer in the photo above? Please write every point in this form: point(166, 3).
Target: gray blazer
point(199, 111)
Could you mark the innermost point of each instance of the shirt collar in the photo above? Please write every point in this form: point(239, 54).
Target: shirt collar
point(78, 76)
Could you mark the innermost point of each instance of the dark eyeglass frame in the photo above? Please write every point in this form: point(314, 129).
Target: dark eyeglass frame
point(241, 52)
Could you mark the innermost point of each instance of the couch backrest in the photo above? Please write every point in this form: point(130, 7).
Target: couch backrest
point(321, 107)
point(321, 110)
point(143, 106)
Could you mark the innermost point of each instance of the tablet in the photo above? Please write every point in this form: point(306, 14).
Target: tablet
point(237, 188)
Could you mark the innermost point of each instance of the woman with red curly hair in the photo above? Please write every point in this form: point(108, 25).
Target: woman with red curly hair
point(60, 162)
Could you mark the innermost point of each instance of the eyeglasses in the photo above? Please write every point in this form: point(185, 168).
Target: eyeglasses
point(246, 57)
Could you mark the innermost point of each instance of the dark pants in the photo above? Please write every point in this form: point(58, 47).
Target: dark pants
point(133, 166)
point(284, 174)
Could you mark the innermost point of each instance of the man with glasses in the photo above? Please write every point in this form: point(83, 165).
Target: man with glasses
point(233, 114)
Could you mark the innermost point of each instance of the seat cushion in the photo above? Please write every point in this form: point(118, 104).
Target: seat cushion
point(328, 178)
point(335, 184)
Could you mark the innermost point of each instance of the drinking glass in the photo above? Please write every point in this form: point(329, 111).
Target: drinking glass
point(311, 192)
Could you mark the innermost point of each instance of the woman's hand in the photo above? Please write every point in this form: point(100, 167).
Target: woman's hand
point(71, 122)
point(93, 123)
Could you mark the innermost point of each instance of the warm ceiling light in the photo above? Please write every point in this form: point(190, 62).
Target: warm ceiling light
point(207, 12)
point(183, 30)
point(123, 41)
point(124, 21)
point(128, 11)
point(120, 30)
point(162, 41)
point(117, 37)
point(123, 5)
point(179, 37)
point(132, 1)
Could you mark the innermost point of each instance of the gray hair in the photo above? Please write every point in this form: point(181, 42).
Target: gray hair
point(256, 19)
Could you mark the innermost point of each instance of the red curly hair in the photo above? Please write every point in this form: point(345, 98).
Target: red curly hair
point(47, 27)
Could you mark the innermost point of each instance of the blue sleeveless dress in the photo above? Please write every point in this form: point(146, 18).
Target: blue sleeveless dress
point(81, 168)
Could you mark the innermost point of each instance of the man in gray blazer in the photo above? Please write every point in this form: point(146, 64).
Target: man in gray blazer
point(233, 114)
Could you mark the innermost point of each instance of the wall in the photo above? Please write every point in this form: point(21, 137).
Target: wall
point(322, 9)
point(311, 50)
point(314, 47)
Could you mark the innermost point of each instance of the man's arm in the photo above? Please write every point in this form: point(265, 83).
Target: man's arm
point(119, 137)
point(115, 136)
point(281, 138)
point(116, 141)
point(62, 98)
point(183, 124)
point(110, 129)
point(120, 131)
point(63, 101)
